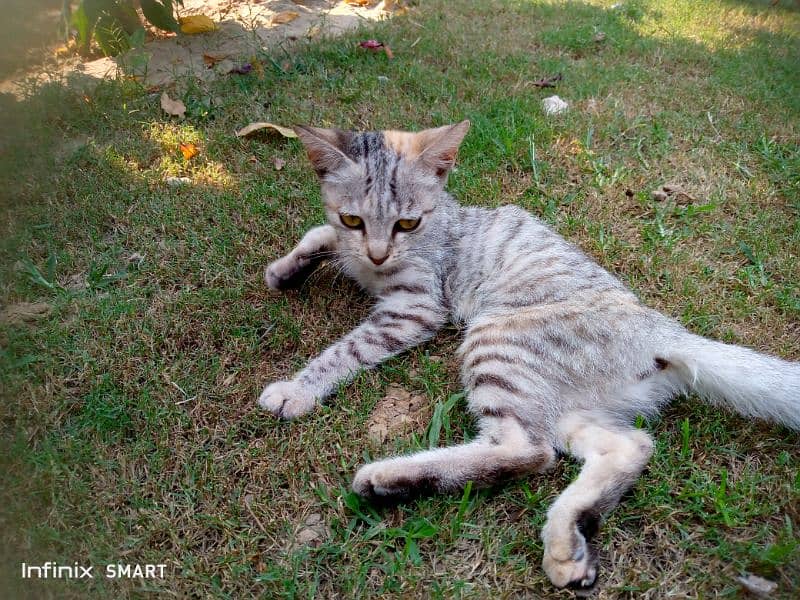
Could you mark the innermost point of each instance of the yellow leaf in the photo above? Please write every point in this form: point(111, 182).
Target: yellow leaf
point(189, 150)
point(196, 24)
point(253, 127)
point(284, 17)
point(172, 107)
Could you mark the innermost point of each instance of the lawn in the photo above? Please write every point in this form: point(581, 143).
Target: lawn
point(130, 431)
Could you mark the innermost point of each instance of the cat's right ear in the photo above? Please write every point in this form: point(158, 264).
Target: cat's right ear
point(325, 147)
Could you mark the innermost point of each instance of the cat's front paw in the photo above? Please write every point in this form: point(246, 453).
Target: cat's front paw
point(286, 272)
point(287, 399)
point(392, 480)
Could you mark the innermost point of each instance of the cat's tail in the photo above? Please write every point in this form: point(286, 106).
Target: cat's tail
point(750, 383)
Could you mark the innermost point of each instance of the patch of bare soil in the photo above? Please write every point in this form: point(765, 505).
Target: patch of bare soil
point(398, 413)
point(243, 28)
point(24, 312)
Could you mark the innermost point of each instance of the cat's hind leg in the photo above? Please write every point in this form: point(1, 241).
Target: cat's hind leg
point(502, 450)
point(614, 457)
point(291, 270)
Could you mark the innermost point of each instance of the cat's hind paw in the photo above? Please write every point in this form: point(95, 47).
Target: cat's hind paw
point(570, 562)
point(287, 399)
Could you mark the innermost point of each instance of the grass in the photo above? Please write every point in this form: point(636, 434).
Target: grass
point(130, 432)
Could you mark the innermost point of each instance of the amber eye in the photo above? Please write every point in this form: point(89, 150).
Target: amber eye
point(352, 221)
point(407, 224)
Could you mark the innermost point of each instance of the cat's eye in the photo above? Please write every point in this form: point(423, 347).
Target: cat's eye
point(407, 224)
point(351, 221)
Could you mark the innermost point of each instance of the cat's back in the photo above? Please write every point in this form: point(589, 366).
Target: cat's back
point(507, 259)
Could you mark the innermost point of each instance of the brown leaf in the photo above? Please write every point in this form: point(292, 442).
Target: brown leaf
point(189, 150)
point(212, 59)
point(397, 413)
point(361, 3)
point(253, 127)
point(546, 82)
point(287, 16)
point(24, 312)
point(176, 108)
point(312, 532)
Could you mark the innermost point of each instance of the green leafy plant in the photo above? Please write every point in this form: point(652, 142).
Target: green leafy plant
point(115, 24)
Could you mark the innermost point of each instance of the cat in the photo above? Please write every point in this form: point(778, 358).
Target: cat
point(558, 355)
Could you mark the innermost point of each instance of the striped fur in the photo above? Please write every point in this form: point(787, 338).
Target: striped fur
point(558, 356)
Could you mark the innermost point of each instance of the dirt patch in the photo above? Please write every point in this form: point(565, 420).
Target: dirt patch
point(24, 312)
point(398, 413)
point(244, 28)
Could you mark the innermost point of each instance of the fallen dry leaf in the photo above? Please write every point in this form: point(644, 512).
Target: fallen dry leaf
point(362, 3)
point(189, 150)
point(176, 108)
point(279, 163)
point(24, 312)
point(679, 195)
point(397, 413)
point(546, 82)
point(258, 126)
point(211, 59)
point(312, 532)
point(287, 16)
point(196, 24)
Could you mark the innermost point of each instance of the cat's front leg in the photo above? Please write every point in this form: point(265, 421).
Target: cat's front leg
point(288, 271)
point(396, 324)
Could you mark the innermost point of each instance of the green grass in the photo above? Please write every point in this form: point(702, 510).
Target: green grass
point(130, 432)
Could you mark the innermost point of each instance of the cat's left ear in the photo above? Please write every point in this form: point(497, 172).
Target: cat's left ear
point(438, 147)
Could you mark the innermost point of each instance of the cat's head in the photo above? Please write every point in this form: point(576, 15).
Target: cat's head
point(381, 189)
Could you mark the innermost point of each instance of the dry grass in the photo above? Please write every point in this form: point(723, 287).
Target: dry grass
point(130, 427)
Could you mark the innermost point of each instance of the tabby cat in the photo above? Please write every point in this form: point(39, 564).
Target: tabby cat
point(558, 355)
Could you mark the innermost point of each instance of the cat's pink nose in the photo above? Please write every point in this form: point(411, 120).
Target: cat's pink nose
point(378, 261)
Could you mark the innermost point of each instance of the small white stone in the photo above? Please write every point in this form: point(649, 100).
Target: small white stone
point(554, 105)
point(177, 181)
point(758, 586)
